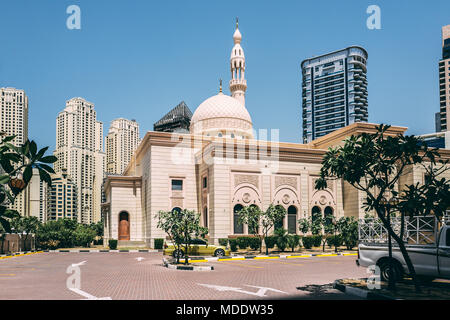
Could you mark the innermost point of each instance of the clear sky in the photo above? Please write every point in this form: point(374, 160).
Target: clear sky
point(138, 59)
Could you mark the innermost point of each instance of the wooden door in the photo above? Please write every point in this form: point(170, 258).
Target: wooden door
point(124, 226)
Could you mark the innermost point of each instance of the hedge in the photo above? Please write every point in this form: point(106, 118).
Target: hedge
point(233, 244)
point(270, 241)
point(254, 243)
point(334, 241)
point(159, 242)
point(242, 242)
point(223, 242)
point(317, 242)
point(112, 244)
point(308, 242)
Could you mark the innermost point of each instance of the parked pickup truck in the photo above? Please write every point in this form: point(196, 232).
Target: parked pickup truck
point(427, 243)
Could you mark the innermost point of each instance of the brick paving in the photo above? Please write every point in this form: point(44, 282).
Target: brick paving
point(121, 276)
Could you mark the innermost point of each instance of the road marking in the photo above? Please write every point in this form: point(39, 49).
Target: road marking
point(303, 256)
point(229, 259)
point(294, 264)
point(260, 293)
point(139, 259)
point(7, 274)
point(242, 265)
point(87, 295)
point(264, 258)
point(78, 264)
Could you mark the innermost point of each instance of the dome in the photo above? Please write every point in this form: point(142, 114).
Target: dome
point(221, 114)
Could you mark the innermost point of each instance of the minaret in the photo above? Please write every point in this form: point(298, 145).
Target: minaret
point(238, 84)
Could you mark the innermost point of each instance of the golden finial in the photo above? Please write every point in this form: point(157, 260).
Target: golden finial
point(237, 22)
point(220, 81)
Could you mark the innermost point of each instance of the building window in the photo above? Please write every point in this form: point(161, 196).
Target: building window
point(292, 219)
point(205, 182)
point(177, 185)
point(238, 227)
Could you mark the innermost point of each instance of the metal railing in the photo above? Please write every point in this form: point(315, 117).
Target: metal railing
point(420, 230)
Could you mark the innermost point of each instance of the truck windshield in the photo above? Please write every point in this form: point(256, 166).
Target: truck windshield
point(447, 241)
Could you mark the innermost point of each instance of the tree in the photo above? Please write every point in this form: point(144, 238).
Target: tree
point(282, 238)
point(18, 164)
point(27, 225)
point(304, 225)
point(181, 226)
point(83, 235)
point(348, 230)
point(373, 164)
point(255, 218)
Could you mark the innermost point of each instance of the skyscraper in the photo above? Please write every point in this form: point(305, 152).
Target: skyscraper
point(334, 93)
point(37, 197)
point(444, 80)
point(14, 121)
point(79, 149)
point(121, 142)
point(62, 197)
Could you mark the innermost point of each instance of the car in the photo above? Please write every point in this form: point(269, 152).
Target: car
point(197, 247)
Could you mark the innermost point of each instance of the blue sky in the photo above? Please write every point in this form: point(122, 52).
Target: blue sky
point(137, 59)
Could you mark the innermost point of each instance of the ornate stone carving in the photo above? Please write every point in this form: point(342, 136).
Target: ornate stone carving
point(286, 198)
point(285, 181)
point(246, 178)
point(177, 203)
point(246, 197)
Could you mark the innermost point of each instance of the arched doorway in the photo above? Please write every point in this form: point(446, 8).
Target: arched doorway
point(292, 219)
point(124, 226)
point(177, 209)
point(238, 227)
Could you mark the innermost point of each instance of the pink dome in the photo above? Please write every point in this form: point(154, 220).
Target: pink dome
point(220, 106)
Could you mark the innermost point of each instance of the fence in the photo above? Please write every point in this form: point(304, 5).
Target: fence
point(421, 230)
point(11, 243)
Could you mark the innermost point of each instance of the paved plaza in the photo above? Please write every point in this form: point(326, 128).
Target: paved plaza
point(120, 276)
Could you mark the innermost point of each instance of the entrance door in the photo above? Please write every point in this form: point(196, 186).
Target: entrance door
point(124, 226)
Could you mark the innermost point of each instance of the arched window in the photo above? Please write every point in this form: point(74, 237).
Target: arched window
point(328, 215)
point(124, 226)
point(316, 213)
point(256, 228)
point(292, 219)
point(238, 227)
point(205, 217)
point(176, 209)
point(280, 223)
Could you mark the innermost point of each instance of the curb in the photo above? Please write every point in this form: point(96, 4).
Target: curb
point(362, 293)
point(189, 268)
point(20, 254)
point(240, 258)
point(101, 250)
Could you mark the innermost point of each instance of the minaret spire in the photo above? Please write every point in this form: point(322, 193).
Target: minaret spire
point(238, 84)
point(220, 85)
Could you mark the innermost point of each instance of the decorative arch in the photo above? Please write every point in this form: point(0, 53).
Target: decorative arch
point(286, 196)
point(246, 194)
point(124, 226)
point(323, 199)
point(316, 213)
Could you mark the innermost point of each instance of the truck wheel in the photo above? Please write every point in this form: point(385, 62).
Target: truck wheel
point(396, 270)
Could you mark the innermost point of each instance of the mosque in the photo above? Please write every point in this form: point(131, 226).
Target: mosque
point(220, 166)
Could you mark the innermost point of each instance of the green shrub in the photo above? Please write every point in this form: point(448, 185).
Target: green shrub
point(334, 241)
point(158, 243)
point(112, 244)
point(308, 242)
point(282, 238)
point(270, 241)
point(317, 242)
point(233, 244)
point(293, 241)
point(243, 242)
point(223, 242)
point(254, 243)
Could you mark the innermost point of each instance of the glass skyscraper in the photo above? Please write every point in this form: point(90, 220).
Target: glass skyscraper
point(334, 91)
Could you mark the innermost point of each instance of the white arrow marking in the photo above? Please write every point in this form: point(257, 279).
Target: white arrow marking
point(78, 264)
point(260, 293)
point(139, 259)
point(87, 295)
